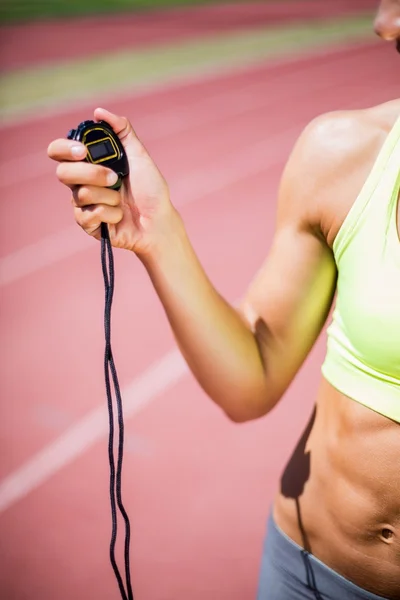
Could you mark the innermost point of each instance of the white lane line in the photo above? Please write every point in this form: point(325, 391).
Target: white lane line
point(193, 187)
point(161, 376)
point(44, 253)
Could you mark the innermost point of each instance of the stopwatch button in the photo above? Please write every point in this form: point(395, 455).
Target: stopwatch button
point(71, 134)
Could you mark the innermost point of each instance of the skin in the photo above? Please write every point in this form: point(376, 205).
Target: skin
point(339, 495)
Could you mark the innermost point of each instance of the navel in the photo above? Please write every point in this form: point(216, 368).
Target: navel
point(387, 535)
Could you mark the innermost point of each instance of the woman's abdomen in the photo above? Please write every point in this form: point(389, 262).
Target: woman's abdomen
point(339, 495)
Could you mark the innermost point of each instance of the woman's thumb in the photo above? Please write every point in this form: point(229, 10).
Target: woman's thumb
point(121, 126)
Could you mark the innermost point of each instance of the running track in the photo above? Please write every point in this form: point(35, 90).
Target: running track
point(198, 488)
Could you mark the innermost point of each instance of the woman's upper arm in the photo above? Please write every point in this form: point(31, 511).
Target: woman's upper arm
point(290, 298)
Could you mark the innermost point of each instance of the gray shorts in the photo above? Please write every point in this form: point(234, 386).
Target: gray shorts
point(290, 573)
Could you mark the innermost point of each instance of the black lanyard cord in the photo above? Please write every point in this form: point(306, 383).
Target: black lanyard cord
point(107, 262)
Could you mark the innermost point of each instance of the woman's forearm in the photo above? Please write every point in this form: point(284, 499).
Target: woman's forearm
point(217, 344)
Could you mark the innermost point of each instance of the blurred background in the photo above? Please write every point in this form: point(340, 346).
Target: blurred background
point(218, 92)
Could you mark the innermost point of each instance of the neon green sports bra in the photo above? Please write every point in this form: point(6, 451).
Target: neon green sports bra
point(363, 353)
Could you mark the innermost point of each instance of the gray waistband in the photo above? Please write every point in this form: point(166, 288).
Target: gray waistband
point(290, 558)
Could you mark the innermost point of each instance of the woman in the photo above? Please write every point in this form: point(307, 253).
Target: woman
point(335, 528)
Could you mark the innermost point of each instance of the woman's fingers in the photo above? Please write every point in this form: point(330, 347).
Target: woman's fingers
point(73, 170)
point(123, 128)
point(87, 195)
point(91, 217)
point(66, 150)
point(95, 205)
point(83, 173)
point(120, 125)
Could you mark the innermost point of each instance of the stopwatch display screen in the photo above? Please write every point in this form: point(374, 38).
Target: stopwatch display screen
point(101, 150)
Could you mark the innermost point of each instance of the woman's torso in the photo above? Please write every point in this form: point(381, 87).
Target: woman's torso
point(340, 493)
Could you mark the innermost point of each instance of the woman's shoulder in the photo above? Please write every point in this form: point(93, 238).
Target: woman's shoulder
point(332, 138)
point(332, 159)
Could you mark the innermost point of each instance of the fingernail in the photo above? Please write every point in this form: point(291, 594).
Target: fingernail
point(77, 150)
point(112, 178)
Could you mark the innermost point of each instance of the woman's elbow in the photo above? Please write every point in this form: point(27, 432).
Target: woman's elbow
point(242, 412)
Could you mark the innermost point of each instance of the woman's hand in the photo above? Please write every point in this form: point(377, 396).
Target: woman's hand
point(136, 214)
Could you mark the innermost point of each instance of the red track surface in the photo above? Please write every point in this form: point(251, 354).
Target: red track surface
point(198, 488)
point(26, 45)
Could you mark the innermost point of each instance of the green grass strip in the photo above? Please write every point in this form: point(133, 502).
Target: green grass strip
point(42, 87)
point(15, 11)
